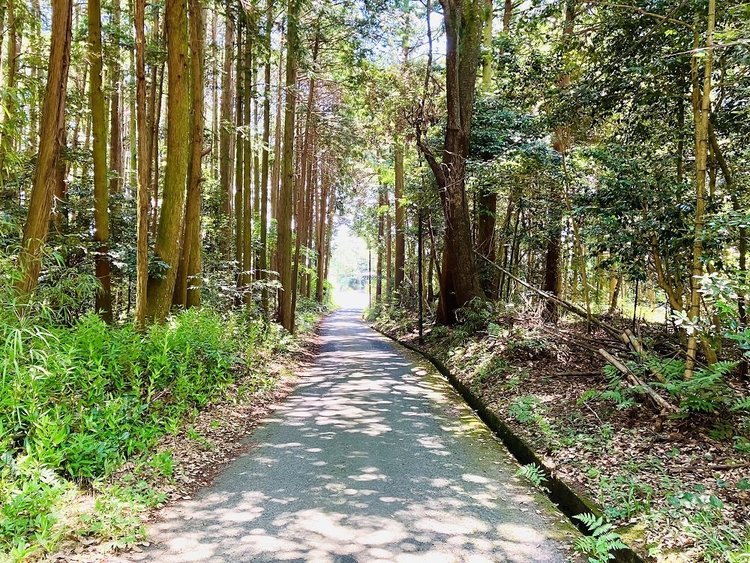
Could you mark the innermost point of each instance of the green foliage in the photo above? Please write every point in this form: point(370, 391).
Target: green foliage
point(528, 409)
point(76, 401)
point(701, 511)
point(603, 541)
point(534, 474)
point(707, 391)
point(617, 392)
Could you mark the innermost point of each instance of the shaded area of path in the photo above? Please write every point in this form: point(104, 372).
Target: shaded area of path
point(373, 458)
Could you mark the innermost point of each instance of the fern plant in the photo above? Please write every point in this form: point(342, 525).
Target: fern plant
point(707, 391)
point(603, 541)
point(534, 474)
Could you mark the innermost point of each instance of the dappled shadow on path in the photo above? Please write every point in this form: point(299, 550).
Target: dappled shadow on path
point(372, 458)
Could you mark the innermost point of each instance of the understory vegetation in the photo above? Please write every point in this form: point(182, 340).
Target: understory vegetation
point(79, 398)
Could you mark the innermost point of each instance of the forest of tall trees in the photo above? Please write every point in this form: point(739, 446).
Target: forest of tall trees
point(172, 174)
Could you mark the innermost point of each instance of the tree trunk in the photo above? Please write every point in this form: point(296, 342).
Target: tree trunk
point(115, 128)
point(169, 235)
point(225, 143)
point(284, 244)
point(263, 254)
point(187, 286)
point(239, 155)
point(99, 154)
point(144, 172)
point(52, 131)
point(380, 245)
point(247, 181)
point(459, 282)
point(7, 132)
point(400, 217)
point(701, 111)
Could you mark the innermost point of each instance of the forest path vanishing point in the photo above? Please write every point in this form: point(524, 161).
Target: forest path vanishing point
point(374, 457)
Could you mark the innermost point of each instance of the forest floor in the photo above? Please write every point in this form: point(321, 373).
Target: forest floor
point(680, 487)
point(183, 462)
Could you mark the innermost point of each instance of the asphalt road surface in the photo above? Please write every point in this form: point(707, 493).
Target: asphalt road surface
point(372, 458)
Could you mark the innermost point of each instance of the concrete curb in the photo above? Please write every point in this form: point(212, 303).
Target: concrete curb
point(559, 492)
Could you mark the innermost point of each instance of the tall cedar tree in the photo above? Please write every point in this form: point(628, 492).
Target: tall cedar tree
point(286, 190)
point(168, 239)
point(459, 282)
point(99, 157)
point(50, 140)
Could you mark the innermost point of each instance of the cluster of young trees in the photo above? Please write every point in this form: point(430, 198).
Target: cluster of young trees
point(585, 148)
point(164, 145)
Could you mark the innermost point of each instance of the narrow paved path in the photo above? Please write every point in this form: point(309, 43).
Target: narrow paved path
point(374, 457)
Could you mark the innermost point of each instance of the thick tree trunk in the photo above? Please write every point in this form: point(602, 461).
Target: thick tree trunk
point(99, 154)
point(284, 244)
point(459, 282)
point(188, 284)
point(52, 131)
point(169, 235)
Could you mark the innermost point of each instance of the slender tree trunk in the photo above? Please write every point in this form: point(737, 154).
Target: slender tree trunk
point(322, 212)
point(561, 143)
point(487, 46)
point(115, 129)
point(53, 125)
point(168, 239)
point(278, 134)
point(380, 246)
point(284, 244)
point(225, 143)
point(701, 111)
point(8, 132)
point(400, 217)
point(99, 154)
point(247, 229)
point(144, 172)
point(239, 155)
point(263, 254)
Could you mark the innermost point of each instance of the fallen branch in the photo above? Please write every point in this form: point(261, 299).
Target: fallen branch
point(728, 466)
point(564, 304)
point(658, 401)
point(576, 374)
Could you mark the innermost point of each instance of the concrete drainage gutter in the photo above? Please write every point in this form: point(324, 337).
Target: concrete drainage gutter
point(559, 492)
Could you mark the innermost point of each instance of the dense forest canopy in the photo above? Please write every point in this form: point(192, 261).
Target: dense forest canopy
point(585, 156)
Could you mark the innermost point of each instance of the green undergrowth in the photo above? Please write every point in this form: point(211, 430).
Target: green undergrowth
point(79, 399)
